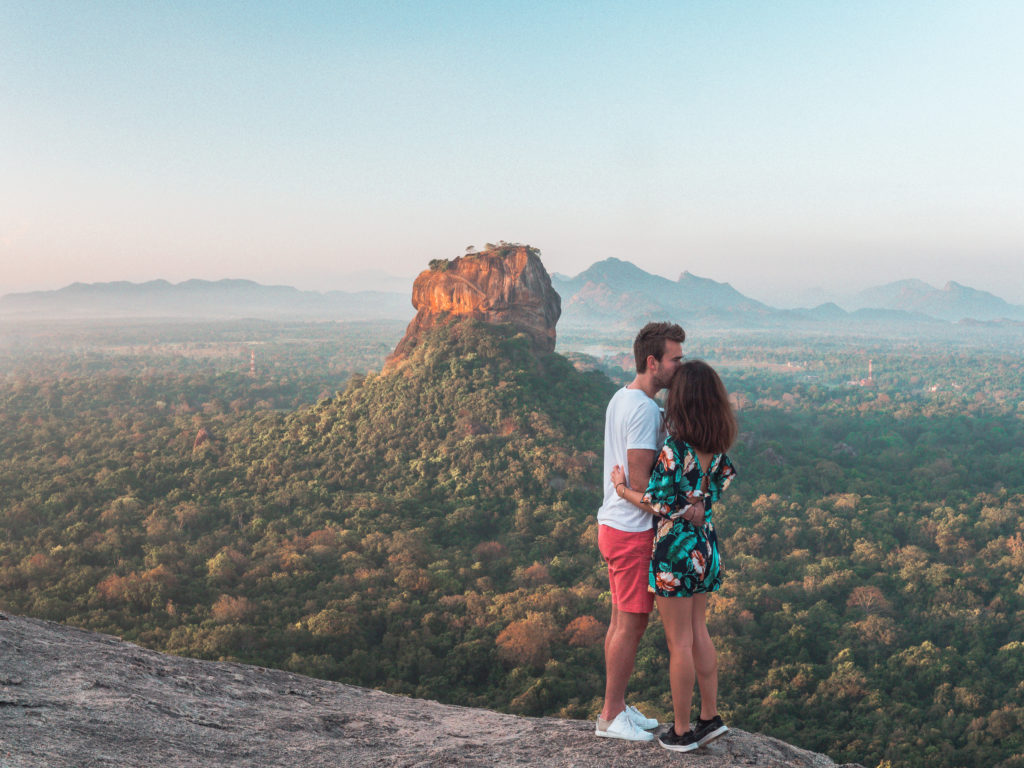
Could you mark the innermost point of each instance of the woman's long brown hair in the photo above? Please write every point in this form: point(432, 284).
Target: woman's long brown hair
point(698, 409)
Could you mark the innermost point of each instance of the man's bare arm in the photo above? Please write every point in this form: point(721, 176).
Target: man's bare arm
point(641, 462)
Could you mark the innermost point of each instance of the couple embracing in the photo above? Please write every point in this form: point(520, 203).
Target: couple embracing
point(662, 476)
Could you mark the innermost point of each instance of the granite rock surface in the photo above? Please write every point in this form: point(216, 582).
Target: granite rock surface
point(506, 284)
point(76, 699)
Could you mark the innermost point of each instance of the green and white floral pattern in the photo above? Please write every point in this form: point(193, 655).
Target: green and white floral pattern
point(685, 560)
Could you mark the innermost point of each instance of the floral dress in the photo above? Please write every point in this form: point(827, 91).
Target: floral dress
point(685, 559)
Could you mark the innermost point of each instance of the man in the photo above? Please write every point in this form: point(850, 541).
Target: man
point(633, 434)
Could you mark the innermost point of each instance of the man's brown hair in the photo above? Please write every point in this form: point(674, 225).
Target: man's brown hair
point(698, 408)
point(651, 341)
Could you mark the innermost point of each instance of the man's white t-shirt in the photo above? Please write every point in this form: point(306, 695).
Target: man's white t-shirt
point(632, 420)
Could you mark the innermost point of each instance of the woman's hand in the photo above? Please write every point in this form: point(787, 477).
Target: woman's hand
point(618, 476)
point(694, 512)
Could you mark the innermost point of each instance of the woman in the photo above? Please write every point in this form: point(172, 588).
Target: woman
point(689, 475)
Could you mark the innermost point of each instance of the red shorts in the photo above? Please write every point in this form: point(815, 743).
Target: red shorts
point(628, 555)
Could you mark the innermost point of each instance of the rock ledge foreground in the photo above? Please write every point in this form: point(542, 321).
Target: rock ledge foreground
point(74, 698)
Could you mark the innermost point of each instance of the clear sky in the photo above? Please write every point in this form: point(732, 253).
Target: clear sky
point(780, 146)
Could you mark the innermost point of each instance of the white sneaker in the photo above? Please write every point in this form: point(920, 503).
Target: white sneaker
point(638, 717)
point(622, 727)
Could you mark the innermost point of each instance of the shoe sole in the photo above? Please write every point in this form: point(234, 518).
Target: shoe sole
point(607, 735)
point(680, 747)
point(713, 735)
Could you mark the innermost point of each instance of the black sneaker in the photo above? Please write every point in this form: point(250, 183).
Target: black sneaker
point(685, 743)
point(707, 730)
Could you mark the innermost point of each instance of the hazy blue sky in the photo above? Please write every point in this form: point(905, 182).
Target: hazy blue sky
point(775, 145)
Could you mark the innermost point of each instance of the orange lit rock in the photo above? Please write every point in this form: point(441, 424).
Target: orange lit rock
point(503, 284)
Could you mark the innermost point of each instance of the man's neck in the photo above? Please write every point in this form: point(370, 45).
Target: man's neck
point(644, 382)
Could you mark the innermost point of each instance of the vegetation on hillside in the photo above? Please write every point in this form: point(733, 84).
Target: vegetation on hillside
point(431, 531)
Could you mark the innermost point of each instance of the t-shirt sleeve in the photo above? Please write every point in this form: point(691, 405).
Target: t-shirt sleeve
point(643, 427)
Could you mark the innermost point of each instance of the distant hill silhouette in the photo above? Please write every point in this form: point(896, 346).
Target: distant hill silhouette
point(952, 302)
point(621, 290)
point(204, 299)
point(612, 294)
point(620, 295)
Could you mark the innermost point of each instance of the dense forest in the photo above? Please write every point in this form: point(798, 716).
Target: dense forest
point(431, 531)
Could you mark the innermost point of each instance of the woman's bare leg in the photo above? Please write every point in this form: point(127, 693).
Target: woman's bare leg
point(676, 616)
point(705, 658)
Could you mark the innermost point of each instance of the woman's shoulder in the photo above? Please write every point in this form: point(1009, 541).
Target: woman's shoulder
point(678, 453)
point(678, 448)
point(678, 445)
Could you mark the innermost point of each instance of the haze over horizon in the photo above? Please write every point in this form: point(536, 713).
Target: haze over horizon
point(379, 281)
point(776, 147)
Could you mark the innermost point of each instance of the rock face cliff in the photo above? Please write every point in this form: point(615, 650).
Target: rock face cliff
point(70, 698)
point(503, 284)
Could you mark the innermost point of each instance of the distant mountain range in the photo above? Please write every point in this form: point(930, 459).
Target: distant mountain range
point(205, 299)
point(952, 302)
point(621, 290)
point(610, 294)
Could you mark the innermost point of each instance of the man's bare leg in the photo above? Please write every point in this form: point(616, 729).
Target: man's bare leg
point(620, 645)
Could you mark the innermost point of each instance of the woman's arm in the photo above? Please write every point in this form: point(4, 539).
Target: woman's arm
point(694, 513)
point(631, 495)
